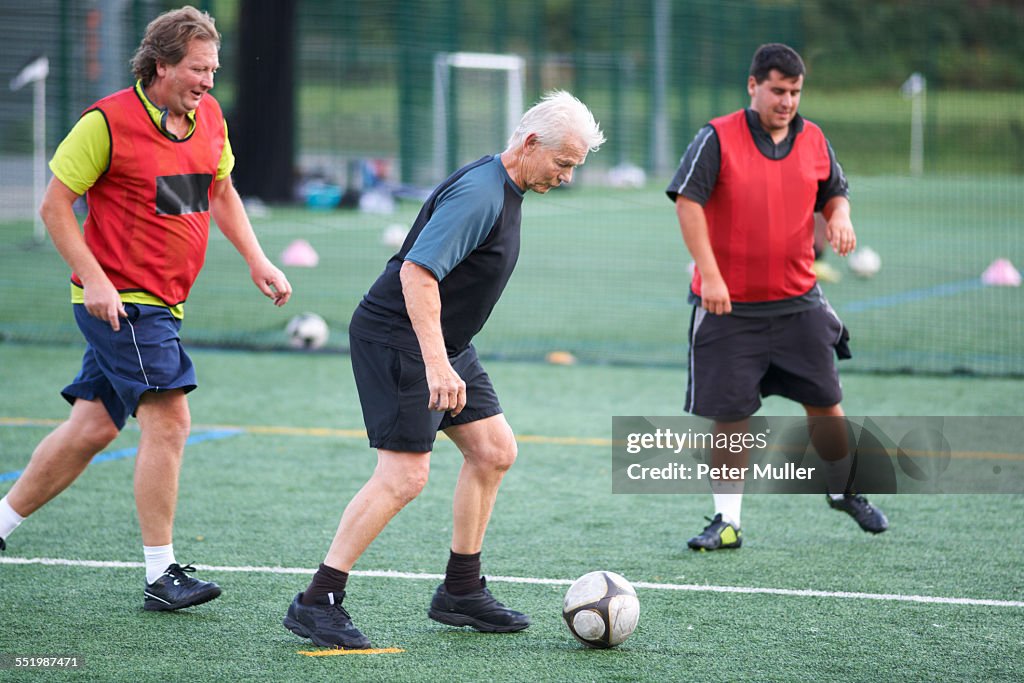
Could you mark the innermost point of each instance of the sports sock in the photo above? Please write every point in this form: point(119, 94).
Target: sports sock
point(326, 580)
point(728, 503)
point(158, 559)
point(837, 475)
point(9, 519)
point(462, 575)
point(831, 438)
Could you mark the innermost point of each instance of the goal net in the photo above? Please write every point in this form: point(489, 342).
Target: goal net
point(478, 100)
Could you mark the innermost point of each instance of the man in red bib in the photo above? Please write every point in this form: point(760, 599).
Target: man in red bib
point(154, 162)
point(746, 192)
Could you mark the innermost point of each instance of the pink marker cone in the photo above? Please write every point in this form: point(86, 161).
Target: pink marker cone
point(1001, 273)
point(300, 253)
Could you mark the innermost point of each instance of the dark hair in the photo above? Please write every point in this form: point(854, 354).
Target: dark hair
point(167, 39)
point(782, 58)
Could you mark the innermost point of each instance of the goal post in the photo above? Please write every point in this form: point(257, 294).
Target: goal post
point(501, 102)
point(36, 73)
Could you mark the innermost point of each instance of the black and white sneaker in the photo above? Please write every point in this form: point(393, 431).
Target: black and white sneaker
point(326, 623)
point(869, 517)
point(174, 589)
point(478, 609)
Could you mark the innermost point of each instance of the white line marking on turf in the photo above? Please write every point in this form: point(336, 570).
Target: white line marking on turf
point(417, 576)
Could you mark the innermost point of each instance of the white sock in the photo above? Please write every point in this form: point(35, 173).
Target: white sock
point(158, 559)
point(837, 475)
point(729, 502)
point(9, 519)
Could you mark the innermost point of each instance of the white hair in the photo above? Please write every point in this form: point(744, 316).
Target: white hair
point(557, 117)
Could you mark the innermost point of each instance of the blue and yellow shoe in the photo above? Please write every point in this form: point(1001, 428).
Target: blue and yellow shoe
point(719, 535)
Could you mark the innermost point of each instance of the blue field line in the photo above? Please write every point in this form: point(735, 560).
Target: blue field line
point(130, 452)
point(945, 289)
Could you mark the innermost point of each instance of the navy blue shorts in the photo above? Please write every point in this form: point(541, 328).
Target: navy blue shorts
point(393, 393)
point(734, 361)
point(118, 367)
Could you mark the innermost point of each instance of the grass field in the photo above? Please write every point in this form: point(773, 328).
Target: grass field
point(603, 274)
point(809, 597)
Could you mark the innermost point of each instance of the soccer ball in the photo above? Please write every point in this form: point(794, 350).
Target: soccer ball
point(307, 331)
point(864, 262)
point(601, 609)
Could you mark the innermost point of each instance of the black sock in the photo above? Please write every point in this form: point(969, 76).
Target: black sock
point(463, 573)
point(326, 580)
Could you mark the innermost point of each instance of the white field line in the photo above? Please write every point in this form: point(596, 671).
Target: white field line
point(416, 576)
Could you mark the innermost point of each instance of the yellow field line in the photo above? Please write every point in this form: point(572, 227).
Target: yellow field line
point(296, 431)
point(334, 653)
point(359, 433)
point(325, 432)
point(328, 432)
point(27, 422)
point(563, 440)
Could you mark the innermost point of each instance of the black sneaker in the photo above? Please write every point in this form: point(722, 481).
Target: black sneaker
point(174, 589)
point(478, 609)
point(857, 506)
point(3, 546)
point(326, 623)
point(719, 535)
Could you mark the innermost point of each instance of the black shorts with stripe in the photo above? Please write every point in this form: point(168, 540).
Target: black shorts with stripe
point(393, 393)
point(734, 361)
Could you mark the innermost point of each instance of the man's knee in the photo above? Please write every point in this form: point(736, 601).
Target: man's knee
point(92, 425)
point(497, 454)
point(165, 415)
point(98, 435)
point(406, 488)
point(405, 480)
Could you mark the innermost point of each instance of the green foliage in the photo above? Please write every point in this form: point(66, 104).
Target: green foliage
point(976, 44)
point(956, 44)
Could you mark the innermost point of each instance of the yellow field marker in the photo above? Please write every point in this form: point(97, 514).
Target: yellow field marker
point(370, 651)
point(328, 432)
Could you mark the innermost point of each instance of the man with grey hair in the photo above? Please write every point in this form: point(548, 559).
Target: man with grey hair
point(417, 371)
point(155, 164)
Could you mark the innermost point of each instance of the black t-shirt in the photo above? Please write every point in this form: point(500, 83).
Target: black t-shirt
point(467, 235)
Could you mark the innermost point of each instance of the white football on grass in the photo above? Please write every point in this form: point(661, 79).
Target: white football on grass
point(601, 609)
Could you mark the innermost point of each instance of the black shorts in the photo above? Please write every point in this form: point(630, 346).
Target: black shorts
point(734, 361)
point(393, 393)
